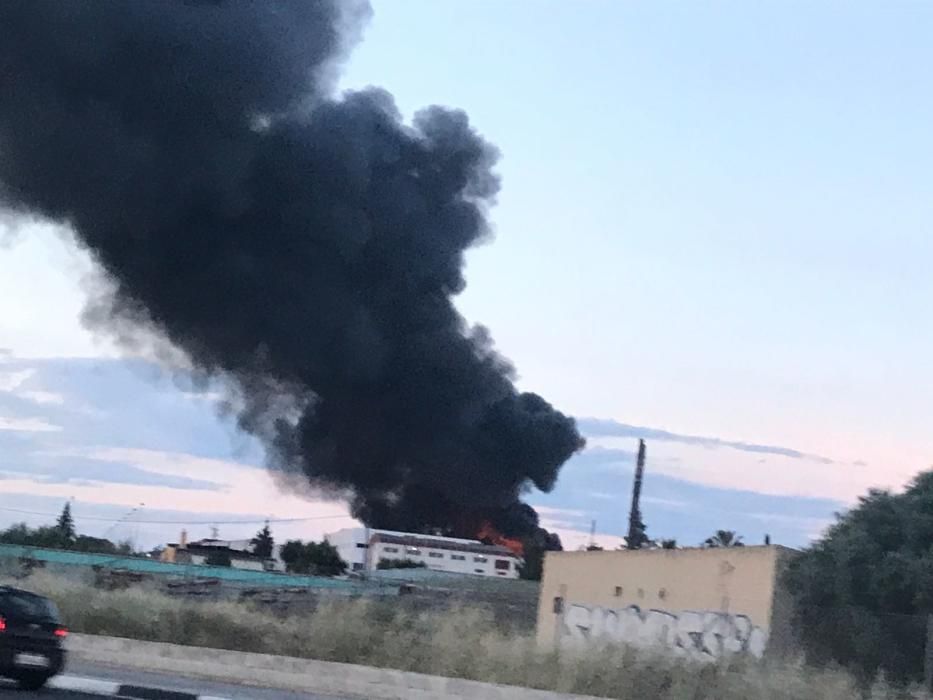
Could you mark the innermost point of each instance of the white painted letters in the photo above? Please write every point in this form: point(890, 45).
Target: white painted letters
point(702, 635)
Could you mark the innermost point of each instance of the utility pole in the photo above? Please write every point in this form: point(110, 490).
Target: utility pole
point(636, 528)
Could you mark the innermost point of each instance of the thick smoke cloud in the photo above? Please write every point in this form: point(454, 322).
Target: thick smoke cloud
point(302, 247)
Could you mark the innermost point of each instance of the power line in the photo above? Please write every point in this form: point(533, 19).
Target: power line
point(185, 522)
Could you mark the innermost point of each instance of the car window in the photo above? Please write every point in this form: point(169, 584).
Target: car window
point(27, 606)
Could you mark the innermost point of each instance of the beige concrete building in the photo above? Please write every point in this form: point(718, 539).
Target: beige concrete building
point(702, 603)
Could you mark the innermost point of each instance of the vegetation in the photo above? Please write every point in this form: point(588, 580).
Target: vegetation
point(535, 547)
point(62, 535)
point(668, 544)
point(66, 525)
point(864, 590)
point(400, 564)
point(263, 543)
point(461, 643)
point(638, 533)
point(724, 538)
point(316, 558)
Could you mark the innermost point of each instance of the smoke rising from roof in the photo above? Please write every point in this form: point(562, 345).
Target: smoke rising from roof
point(304, 248)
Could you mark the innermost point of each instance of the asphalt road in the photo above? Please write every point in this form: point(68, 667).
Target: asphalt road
point(158, 680)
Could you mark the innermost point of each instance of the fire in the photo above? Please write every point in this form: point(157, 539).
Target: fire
point(487, 533)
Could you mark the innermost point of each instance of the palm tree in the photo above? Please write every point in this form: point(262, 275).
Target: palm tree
point(724, 538)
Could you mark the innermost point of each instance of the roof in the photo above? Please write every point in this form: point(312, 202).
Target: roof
point(449, 544)
point(196, 548)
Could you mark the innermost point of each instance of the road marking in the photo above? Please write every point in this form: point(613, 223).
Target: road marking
point(76, 684)
point(94, 686)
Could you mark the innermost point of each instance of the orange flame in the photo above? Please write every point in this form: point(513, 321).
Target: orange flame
point(487, 533)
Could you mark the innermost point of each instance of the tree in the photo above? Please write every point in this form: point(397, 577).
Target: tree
point(318, 558)
point(22, 534)
point(400, 564)
point(293, 554)
point(66, 526)
point(668, 544)
point(535, 547)
point(219, 557)
point(862, 592)
point(724, 538)
point(638, 534)
point(263, 543)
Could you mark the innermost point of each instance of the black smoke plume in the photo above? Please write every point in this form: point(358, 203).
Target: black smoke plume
point(304, 248)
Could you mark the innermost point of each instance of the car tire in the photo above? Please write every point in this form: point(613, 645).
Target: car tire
point(33, 681)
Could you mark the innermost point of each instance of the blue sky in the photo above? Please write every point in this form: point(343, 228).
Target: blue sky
point(714, 222)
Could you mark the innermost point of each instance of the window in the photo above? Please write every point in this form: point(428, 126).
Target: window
point(357, 566)
point(618, 592)
point(391, 550)
point(662, 594)
point(435, 555)
point(478, 571)
point(362, 545)
point(458, 557)
point(479, 560)
point(26, 606)
point(413, 550)
point(503, 565)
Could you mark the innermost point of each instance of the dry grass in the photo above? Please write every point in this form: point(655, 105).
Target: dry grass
point(464, 643)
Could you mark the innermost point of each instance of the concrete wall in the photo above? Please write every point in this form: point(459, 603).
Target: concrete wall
point(701, 603)
point(351, 545)
point(300, 675)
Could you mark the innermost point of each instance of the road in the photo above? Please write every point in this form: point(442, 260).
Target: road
point(156, 680)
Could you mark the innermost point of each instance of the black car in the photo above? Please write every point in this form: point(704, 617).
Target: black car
point(31, 638)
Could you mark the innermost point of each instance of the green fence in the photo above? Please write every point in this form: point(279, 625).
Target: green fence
point(183, 571)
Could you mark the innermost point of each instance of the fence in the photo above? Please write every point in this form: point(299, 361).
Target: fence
point(513, 602)
point(151, 567)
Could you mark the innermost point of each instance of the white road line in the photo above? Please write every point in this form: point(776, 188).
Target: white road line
point(76, 684)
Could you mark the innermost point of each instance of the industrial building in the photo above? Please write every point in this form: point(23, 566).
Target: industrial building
point(363, 549)
point(240, 553)
point(701, 603)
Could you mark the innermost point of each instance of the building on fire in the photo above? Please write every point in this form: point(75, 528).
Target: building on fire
point(363, 549)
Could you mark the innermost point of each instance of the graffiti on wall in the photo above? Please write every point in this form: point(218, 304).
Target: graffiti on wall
point(702, 635)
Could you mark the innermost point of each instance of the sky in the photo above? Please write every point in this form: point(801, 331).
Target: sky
point(713, 233)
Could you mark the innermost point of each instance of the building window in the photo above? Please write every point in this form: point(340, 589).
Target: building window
point(502, 565)
point(357, 566)
point(479, 571)
point(391, 550)
point(458, 557)
point(435, 555)
point(362, 545)
point(479, 560)
point(662, 594)
point(618, 592)
point(413, 550)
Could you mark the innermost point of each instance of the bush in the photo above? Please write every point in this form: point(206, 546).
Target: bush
point(400, 564)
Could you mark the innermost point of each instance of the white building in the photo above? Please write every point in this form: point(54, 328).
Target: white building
point(363, 549)
point(240, 553)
